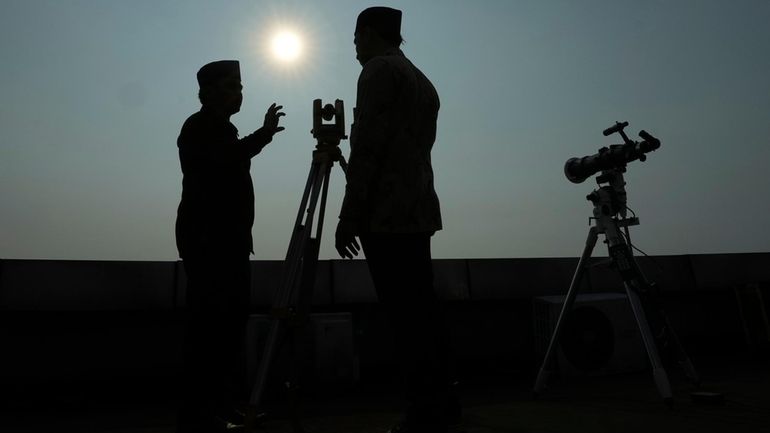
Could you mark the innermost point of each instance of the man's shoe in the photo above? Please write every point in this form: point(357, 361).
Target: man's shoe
point(228, 426)
point(401, 427)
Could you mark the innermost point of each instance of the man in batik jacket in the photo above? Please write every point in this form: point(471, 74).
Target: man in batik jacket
point(391, 205)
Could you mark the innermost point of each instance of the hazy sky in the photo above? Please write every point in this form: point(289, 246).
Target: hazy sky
point(94, 94)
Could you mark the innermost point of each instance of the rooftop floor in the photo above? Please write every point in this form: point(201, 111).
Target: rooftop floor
point(621, 403)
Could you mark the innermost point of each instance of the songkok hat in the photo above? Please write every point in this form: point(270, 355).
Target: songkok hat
point(386, 21)
point(213, 72)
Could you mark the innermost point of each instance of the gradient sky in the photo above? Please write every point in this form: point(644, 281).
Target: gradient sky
point(94, 94)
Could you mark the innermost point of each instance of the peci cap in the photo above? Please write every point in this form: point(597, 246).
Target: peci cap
point(215, 71)
point(386, 21)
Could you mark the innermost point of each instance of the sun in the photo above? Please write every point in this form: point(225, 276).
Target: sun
point(286, 46)
point(287, 49)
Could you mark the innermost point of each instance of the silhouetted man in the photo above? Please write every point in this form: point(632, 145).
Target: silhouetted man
point(213, 234)
point(391, 205)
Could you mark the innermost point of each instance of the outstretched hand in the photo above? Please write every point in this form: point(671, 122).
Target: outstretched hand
point(272, 117)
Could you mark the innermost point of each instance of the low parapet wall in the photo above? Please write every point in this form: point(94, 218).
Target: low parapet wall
point(60, 285)
point(92, 320)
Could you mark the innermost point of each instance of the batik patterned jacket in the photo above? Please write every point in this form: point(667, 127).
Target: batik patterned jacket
point(389, 176)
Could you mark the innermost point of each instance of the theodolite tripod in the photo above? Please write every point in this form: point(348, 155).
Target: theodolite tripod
point(610, 217)
point(291, 302)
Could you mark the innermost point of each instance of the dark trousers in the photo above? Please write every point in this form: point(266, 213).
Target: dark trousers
point(218, 294)
point(402, 272)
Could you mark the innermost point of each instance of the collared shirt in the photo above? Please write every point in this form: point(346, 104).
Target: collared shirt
point(389, 176)
point(216, 212)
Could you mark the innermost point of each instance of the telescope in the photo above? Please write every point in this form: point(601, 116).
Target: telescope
point(578, 170)
point(610, 220)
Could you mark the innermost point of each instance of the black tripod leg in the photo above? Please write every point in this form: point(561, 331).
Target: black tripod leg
point(301, 234)
point(300, 333)
point(302, 256)
point(545, 369)
point(284, 294)
point(322, 209)
point(300, 329)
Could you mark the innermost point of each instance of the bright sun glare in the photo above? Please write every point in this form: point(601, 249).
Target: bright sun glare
point(286, 46)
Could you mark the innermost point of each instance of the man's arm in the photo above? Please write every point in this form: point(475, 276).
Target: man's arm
point(252, 144)
point(201, 143)
point(375, 105)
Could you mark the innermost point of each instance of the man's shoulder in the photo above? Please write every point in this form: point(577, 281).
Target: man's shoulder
point(376, 65)
point(392, 59)
point(387, 67)
point(192, 127)
point(195, 119)
point(394, 64)
point(200, 121)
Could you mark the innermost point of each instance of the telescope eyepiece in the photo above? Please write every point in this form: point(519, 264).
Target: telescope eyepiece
point(649, 141)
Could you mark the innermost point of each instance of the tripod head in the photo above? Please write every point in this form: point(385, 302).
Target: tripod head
point(328, 134)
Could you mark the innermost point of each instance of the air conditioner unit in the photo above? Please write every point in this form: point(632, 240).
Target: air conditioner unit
point(599, 335)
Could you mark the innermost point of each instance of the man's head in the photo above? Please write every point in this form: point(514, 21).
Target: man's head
point(220, 86)
point(377, 30)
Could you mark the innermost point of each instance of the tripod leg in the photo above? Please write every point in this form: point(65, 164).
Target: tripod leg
point(681, 355)
point(322, 209)
point(545, 369)
point(284, 294)
point(658, 372)
point(662, 326)
point(301, 234)
point(652, 305)
point(264, 365)
point(302, 256)
point(300, 331)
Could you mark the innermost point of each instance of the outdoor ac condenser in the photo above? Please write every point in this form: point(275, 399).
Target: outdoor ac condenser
point(599, 336)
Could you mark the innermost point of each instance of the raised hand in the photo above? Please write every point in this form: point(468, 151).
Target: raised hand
point(272, 117)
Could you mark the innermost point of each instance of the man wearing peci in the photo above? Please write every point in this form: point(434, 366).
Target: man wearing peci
point(213, 234)
point(391, 205)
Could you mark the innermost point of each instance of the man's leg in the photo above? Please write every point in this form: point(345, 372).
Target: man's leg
point(217, 307)
point(196, 385)
point(402, 272)
point(234, 333)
